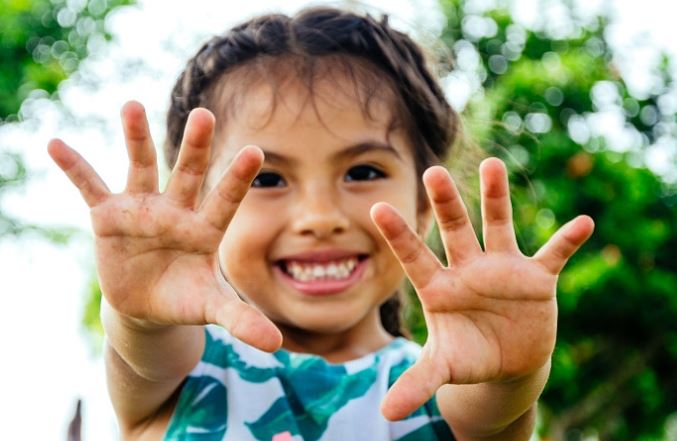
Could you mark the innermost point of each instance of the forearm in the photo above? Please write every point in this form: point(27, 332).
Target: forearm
point(156, 353)
point(493, 411)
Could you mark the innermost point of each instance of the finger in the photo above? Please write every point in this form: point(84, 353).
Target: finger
point(191, 165)
point(498, 230)
point(412, 390)
point(90, 184)
point(564, 243)
point(418, 261)
point(456, 230)
point(220, 204)
point(245, 323)
point(143, 172)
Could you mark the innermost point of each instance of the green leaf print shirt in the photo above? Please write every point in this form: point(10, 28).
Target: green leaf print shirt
point(239, 393)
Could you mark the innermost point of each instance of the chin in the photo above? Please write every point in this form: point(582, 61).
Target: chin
point(327, 324)
point(323, 326)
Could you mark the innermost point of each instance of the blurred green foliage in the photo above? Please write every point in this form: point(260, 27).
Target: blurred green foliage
point(614, 371)
point(42, 42)
point(12, 175)
point(91, 319)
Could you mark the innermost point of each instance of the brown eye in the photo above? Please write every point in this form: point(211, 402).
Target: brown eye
point(363, 173)
point(267, 180)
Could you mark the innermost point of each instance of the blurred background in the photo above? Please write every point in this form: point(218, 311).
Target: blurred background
point(578, 97)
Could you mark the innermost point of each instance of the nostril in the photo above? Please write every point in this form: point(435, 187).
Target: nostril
point(320, 219)
point(322, 228)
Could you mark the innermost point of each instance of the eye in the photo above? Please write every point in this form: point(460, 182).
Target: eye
point(268, 179)
point(363, 173)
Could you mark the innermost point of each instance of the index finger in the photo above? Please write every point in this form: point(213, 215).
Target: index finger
point(221, 202)
point(419, 262)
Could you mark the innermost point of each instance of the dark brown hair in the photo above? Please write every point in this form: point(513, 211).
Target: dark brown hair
point(362, 45)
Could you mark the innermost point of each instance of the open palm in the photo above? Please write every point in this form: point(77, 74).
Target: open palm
point(492, 313)
point(157, 252)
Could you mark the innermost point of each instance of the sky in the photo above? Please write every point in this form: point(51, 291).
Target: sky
point(48, 360)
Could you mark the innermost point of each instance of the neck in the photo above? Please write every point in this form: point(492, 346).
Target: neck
point(361, 339)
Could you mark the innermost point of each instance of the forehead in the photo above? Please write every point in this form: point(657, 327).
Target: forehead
point(341, 94)
point(327, 108)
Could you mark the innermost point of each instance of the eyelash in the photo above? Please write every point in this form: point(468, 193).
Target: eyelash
point(274, 180)
point(372, 173)
point(262, 180)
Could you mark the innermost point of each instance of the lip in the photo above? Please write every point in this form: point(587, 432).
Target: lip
point(325, 287)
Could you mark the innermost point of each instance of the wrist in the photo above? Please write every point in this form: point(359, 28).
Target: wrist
point(155, 352)
point(521, 429)
point(111, 317)
point(540, 375)
point(492, 410)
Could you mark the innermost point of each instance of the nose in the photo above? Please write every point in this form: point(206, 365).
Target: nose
point(319, 214)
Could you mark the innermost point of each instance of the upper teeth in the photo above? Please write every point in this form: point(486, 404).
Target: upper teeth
point(305, 271)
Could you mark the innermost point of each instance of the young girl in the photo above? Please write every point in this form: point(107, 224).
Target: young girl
point(297, 246)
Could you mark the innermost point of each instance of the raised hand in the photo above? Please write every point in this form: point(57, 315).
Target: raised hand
point(492, 313)
point(157, 252)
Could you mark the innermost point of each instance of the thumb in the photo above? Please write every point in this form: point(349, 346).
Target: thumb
point(412, 390)
point(247, 324)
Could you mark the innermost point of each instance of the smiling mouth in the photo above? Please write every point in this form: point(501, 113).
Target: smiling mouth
point(308, 271)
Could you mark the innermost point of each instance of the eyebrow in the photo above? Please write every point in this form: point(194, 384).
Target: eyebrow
point(277, 158)
point(349, 152)
point(367, 146)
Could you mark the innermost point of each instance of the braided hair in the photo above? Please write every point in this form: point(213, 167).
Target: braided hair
point(368, 50)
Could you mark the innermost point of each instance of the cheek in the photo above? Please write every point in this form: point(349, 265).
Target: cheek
point(245, 243)
point(403, 199)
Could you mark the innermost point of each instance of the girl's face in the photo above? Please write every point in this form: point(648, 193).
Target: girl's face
point(302, 246)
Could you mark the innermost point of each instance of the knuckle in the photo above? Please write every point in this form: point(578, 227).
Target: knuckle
point(190, 168)
point(142, 163)
point(243, 176)
point(498, 220)
point(454, 222)
point(230, 194)
point(413, 254)
point(136, 134)
point(446, 198)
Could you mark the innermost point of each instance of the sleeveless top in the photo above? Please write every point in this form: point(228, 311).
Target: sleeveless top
point(239, 393)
